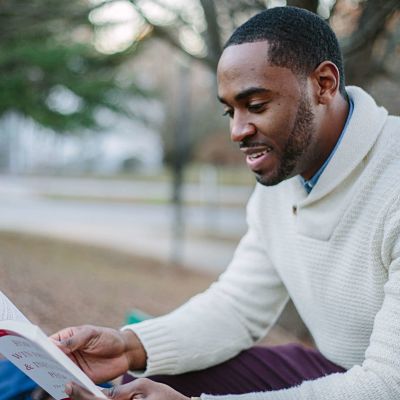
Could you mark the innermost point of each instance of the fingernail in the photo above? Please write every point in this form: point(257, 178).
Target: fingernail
point(68, 389)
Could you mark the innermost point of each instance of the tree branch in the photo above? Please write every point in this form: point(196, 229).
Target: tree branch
point(370, 25)
point(213, 31)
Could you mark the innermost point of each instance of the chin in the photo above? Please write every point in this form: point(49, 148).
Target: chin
point(273, 177)
point(280, 173)
point(268, 180)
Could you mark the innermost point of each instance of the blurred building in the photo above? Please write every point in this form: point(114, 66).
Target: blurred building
point(123, 145)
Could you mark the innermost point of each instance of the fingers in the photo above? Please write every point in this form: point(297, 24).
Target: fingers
point(75, 338)
point(142, 389)
point(61, 334)
point(60, 337)
point(122, 392)
point(76, 392)
point(139, 389)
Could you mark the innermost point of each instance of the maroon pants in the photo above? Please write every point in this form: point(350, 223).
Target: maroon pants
point(254, 370)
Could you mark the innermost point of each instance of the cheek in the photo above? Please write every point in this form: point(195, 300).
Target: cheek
point(277, 125)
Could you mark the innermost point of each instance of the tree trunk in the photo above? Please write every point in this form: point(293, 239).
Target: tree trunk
point(213, 37)
point(311, 5)
point(360, 65)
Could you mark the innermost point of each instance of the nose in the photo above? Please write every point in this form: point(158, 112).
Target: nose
point(241, 128)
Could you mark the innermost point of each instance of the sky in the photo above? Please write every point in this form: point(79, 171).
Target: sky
point(119, 23)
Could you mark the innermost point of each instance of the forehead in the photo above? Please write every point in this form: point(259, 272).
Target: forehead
point(251, 56)
point(247, 65)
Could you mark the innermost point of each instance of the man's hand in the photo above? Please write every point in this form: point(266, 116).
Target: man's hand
point(140, 389)
point(102, 353)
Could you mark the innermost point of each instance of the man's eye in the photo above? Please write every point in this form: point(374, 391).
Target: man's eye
point(228, 112)
point(257, 107)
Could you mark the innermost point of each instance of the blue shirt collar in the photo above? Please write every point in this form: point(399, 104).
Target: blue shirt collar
point(310, 183)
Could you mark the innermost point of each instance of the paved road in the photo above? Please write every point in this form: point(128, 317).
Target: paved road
point(121, 189)
point(143, 229)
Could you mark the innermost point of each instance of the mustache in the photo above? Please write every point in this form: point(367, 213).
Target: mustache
point(248, 144)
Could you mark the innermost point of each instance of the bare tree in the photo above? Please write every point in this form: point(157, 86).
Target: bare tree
point(219, 18)
point(363, 63)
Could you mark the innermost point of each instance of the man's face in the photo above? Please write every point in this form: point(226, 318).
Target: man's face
point(270, 110)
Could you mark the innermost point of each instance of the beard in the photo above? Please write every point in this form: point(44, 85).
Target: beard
point(296, 148)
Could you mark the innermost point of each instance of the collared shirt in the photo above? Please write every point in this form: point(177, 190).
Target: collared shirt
point(310, 183)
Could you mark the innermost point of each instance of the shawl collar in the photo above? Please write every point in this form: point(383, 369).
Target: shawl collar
point(319, 212)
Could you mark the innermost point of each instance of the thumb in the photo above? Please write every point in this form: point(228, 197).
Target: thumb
point(76, 392)
point(124, 392)
point(68, 345)
point(78, 340)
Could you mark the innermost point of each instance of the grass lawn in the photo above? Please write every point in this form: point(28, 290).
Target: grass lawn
point(58, 284)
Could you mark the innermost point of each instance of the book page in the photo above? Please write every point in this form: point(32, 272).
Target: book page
point(8, 311)
point(38, 358)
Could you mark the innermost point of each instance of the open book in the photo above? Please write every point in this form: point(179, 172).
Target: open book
point(29, 349)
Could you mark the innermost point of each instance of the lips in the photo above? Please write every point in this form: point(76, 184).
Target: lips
point(255, 151)
point(256, 155)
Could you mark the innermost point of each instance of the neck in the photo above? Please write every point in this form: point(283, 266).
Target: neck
point(329, 129)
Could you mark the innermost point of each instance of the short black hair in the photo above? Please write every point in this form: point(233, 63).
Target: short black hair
point(298, 39)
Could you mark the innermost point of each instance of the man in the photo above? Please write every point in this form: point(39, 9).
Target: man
point(324, 225)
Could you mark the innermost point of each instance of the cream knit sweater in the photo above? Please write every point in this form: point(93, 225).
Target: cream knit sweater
point(335, 252)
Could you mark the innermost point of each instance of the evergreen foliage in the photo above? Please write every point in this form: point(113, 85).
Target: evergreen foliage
point(46, 54)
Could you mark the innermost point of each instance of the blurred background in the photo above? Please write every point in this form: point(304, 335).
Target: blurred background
point(119, 187)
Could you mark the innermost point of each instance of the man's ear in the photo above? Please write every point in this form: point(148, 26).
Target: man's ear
point(326, 79)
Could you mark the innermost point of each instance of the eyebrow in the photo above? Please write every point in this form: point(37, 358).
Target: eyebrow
point(247, 93)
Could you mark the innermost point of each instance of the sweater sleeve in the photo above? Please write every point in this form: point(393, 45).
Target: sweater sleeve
point(378, 378)
point(214, 326)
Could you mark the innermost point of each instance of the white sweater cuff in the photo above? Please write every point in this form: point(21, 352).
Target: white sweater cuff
point(161, 349)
